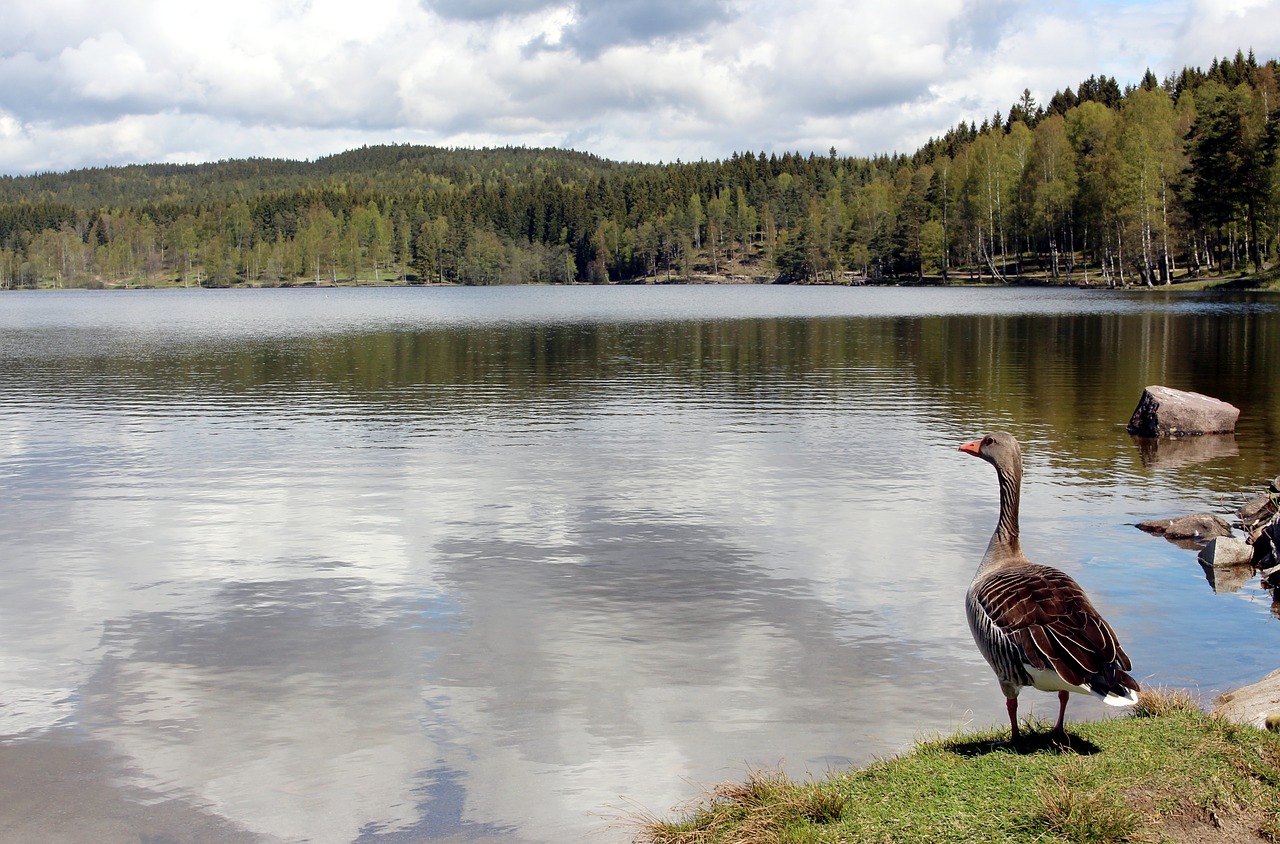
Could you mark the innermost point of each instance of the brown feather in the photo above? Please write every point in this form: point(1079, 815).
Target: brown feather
point(1051, 619)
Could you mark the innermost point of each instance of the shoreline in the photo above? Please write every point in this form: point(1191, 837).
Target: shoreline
point(1266, 282)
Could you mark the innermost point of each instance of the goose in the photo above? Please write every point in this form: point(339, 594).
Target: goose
point(1034, 624)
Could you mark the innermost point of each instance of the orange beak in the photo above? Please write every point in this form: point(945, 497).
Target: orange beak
point(974, 448)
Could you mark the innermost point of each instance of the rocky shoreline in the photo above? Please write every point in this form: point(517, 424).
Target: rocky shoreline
point(1166, 416)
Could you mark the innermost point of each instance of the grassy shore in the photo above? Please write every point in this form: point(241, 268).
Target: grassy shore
point(1268, 279)
point(1167, 773)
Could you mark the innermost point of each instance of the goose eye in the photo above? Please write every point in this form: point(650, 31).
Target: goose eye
point(988, 441)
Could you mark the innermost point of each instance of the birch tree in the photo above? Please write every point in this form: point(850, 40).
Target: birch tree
point(1053, 185)
point(1145, 152)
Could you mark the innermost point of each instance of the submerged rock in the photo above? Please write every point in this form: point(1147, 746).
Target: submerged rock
point(1166, 412)
point(1196, 526)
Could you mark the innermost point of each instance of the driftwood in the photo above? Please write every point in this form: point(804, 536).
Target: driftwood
point(1260, 521)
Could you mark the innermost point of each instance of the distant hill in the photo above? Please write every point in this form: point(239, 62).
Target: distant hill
point(403, 165)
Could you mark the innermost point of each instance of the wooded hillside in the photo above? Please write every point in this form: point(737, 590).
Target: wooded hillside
point(1102, 184)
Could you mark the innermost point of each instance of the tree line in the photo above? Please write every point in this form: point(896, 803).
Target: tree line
point(1100, 185)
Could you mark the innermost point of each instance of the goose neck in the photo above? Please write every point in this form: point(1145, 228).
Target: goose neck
point(1005, 548)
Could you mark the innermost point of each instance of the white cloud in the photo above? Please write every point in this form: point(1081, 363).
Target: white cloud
point(104, 67)
point(1223, 26)
point(9, 126)
point(143, 80)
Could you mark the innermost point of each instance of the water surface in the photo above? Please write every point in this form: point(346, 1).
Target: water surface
point(501, 564)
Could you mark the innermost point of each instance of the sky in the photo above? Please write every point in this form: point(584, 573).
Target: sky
point(87, 83)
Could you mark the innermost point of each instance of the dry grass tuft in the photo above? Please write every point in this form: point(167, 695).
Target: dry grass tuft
point(1161, 702)
point(765, 807)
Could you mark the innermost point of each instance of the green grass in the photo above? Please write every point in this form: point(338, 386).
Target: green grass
point(1268, 279)
point(1168, 773)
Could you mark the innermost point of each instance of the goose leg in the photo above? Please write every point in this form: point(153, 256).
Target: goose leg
point(1011, 704)
point(1062, 713)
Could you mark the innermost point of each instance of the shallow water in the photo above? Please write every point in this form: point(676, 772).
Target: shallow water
point(438, 564)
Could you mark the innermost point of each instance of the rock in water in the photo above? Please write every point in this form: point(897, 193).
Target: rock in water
point(1225, 552)
point(1227, 563)
point(1196, 526)
point(1166, 412)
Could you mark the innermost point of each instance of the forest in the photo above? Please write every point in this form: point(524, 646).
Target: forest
point(1159, 180)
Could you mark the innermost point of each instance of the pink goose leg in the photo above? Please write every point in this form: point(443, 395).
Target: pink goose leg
point(1062, 713)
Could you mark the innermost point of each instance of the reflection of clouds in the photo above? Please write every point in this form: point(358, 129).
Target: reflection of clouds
point(152, 516)
point(623, 675)
point(24, 709)
point(294, 710)
point(297, 758)
point(814, 487)
point(644, 606)
point(61, 790)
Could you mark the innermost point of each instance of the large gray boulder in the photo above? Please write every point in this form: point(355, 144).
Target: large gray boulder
point(1166, 412)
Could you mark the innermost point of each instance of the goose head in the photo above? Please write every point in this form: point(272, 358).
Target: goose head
point(1000, 449)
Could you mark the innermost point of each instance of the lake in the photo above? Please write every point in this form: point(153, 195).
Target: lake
point(510, 564)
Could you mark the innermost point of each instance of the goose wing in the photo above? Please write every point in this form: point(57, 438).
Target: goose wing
point(1048, 616)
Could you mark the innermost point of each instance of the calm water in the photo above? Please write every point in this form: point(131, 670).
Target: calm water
point(505, 564)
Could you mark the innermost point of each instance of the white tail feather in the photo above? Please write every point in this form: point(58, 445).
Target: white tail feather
point(1129, 698)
